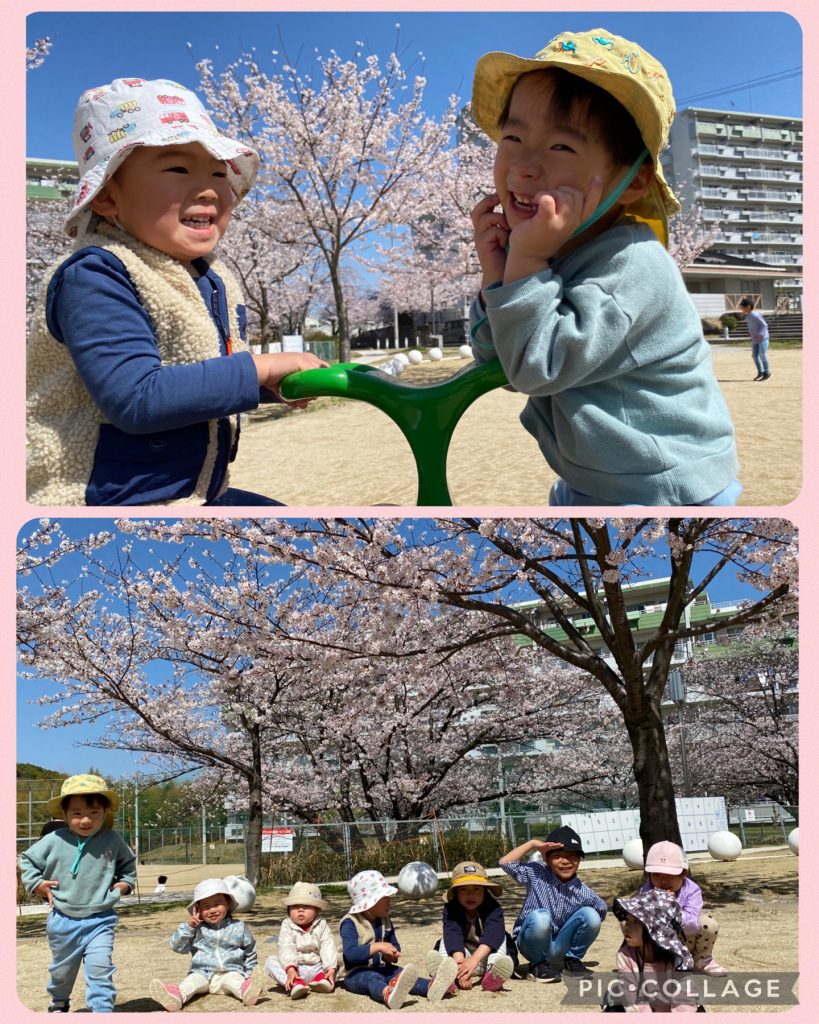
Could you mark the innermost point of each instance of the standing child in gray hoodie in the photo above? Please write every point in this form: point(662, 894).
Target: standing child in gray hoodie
point(81, 870)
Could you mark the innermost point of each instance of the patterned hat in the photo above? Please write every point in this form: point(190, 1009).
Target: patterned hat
point(110, 120)
point(305, 894)
point(632, 76)
point(660, 912)
point(471, 873)
point(366, 889)
point(212, 887)
point(86, 785)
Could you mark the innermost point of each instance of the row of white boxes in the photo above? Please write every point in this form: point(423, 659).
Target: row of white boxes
point(698, 819)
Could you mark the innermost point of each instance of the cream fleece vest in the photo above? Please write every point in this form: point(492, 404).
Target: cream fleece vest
point(364, 929)
point(62, 420)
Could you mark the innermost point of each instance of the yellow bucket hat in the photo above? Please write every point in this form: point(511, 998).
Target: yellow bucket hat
point(470, 872)
point(86, 785)
point(623, 69)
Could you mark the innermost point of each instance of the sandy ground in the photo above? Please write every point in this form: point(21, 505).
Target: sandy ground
point(339, 452)
point(754, 900)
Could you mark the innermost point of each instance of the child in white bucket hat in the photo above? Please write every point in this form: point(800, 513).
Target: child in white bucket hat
point(224, 950)
point(581, 303)
point(137, 363)
point(307, 959)
point(371, 949)
point(82, 870)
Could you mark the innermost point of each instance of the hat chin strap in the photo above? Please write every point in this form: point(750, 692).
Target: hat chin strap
point(613, 196)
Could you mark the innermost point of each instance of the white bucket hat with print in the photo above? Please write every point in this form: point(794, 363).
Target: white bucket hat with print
point(366, 889)
point(110, 120)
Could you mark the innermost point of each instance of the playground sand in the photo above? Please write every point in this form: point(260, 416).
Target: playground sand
point(346, 453)
point(754, 900)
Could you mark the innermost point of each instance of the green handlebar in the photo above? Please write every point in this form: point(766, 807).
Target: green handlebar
point(426, 414)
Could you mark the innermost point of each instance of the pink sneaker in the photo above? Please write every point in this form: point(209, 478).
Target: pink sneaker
point(168, 996)
point(250, 991)
point(710, 966)
point(491, 983)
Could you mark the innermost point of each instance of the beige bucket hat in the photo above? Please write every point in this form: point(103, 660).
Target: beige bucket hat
point(624, 69)
point(470, 872)
point(86, 785)
point(304, 894)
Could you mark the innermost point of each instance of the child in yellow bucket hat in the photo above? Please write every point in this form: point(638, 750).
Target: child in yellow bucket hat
point(82, 870)
point(580, 301)
point(474, 932)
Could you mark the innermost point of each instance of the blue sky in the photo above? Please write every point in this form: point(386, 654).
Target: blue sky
point(58, 750)
point(702, 52)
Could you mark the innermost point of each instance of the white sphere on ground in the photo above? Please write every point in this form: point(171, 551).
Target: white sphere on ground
point(633, 854)
point(536, 857)
point(435, 354)
point(417, 879)
point(415, 356)
point(402, 359)
point(724, 846)
point(465, 351)
point(793, 841)
point(242, 890)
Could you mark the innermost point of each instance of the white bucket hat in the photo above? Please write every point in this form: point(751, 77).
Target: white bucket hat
point(212, 887)
point(110, 120)
point(366, 889)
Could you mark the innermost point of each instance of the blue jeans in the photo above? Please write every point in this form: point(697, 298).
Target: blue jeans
point(759, 350)
point(371, 981)
point(88, 941)
point(562, 494)
point(236, 496)
point(537, 943)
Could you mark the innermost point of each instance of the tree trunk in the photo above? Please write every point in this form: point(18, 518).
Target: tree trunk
point(341, 312)
point(652, 772)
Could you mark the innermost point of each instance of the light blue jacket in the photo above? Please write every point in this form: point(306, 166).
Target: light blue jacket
point(226, 946)
point(608, 345)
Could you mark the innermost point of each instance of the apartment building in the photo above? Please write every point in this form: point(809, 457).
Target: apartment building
point(745, 171)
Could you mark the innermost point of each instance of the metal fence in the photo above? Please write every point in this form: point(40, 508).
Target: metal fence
point(334, 851)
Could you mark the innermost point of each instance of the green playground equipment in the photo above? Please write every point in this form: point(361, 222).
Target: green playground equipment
point(426, 414)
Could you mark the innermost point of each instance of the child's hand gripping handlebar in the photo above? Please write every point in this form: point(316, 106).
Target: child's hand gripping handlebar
point(426, 414)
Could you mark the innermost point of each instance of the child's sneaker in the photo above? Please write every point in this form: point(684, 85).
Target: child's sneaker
point(299, 989)
point(443, 981)
point(500, 971)
point(434, 958)
point(168, 996)
point(710, 966)
point(399, 987)
point(250, 991)
point(320, 983)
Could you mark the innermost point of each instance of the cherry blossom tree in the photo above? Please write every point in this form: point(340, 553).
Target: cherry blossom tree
point(490, 566)
point(348, 154)
point(37, 53)
point(743, 738)
point(220, 657)
point(46, 244)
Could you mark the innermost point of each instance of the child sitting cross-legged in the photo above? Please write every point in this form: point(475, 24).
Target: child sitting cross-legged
point(475, 935)
point(307, 959)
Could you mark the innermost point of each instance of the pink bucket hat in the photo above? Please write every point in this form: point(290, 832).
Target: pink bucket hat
point(366, 889)
point(666, 859)
point(110, 120)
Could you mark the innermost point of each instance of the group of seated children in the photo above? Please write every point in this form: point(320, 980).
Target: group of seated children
point(84, 867)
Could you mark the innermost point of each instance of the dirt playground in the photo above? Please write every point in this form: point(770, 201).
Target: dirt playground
point(754, 899)
point(346, 453)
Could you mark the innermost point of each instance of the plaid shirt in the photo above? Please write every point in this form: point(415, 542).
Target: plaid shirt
point(545, 891)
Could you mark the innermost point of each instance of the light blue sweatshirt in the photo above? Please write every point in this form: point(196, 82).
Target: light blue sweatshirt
point(608, 345)
point(86, 890)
